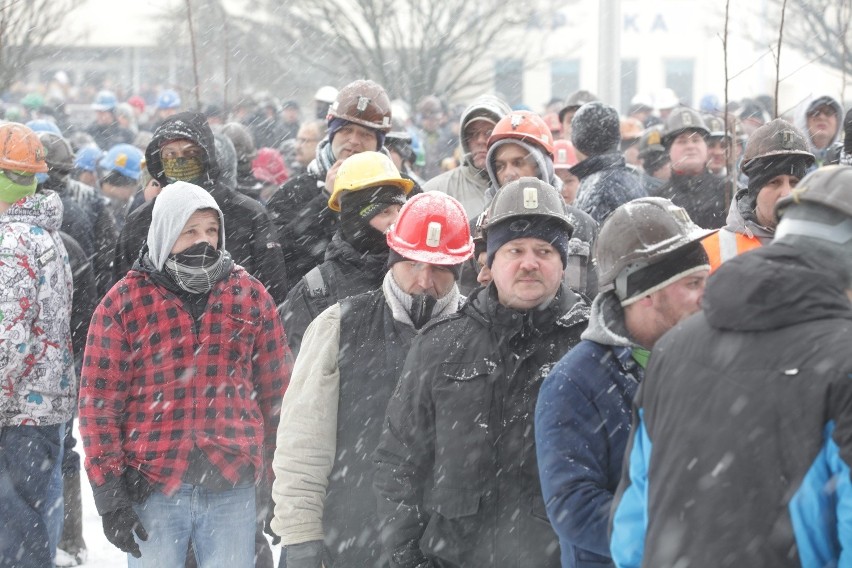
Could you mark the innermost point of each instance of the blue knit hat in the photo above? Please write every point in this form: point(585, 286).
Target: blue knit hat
point(533, 227)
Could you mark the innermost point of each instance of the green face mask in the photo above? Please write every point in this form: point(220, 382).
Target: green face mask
point(183, 169)
point(12, 191)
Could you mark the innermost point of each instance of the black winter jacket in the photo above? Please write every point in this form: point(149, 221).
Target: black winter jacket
point(345, 272)
point(703, 197)
point(742, 438)
point(605, 183)
point(305, 224)
point(249, 236)
point(457, 480)
point(85, 297)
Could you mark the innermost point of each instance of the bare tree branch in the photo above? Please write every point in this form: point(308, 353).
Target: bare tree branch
point(818, 29)
point(26, 29)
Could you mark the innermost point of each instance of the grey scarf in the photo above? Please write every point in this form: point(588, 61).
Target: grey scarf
point(198, 268)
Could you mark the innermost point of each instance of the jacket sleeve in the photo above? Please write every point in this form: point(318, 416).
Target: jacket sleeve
point(126, 248)
point(268, 257)
point(573, 452)
point(307, 434)
point(629, 514)
point(105, 384)
point(18, 310)
point(272, 365)
point(106, 235)
point(404, 458)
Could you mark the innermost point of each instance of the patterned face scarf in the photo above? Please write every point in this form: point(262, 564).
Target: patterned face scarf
point(183, 169)
point(198, 268)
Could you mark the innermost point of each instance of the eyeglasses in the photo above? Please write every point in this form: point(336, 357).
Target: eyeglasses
point(825, 111)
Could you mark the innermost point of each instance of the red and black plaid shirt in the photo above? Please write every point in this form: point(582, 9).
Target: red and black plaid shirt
point(153, 386)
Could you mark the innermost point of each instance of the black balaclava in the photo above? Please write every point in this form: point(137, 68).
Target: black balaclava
point(358, 207)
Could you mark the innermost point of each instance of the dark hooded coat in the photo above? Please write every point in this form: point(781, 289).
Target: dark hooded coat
point(249, 235)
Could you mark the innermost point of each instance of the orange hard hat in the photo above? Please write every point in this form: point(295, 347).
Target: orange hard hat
point(21, 150)
point(631, 128)
point(525, 126)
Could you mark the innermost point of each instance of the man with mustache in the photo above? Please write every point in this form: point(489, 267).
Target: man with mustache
point(691, 185)
point(457, 480)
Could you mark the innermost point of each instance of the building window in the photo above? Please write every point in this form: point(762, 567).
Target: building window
point(564, 77)
point(680, 76)
point(509, 80)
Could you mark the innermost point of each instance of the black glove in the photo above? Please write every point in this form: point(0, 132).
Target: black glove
point(119, 527)
point(409, 554)
point(138, 487)
point(305, 554)
point(267, 526)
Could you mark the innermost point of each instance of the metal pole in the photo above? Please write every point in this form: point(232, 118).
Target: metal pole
point(609, 52)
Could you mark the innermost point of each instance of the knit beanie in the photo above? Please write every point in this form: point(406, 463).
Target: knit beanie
point(394, 257)
point(678, 264)
point(596, 129)
point(335, 124)
point(762, 170)
point(172, 209)
point(533, 227)
point(358, 207)
point(11, 190)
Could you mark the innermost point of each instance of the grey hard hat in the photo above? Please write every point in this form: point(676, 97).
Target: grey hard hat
point(642, 232)
point(527, 197)
point(829, 186)
point(775, 138)
point(58, 153)
point(683, 119)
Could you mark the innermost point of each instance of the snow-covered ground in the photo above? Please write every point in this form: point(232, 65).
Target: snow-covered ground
point(102, 554)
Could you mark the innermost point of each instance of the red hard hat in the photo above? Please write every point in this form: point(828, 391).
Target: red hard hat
point(137, 102)
point(564, 155)
point(433, 228)
point(526, 126)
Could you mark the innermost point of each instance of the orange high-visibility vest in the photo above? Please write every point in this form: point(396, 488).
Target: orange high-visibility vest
point(725, 245)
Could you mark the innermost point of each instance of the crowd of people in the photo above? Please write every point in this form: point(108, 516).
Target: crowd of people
point(479, 337)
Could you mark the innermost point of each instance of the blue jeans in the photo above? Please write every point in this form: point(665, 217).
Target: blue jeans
point(30, 494)
point(220, 524)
